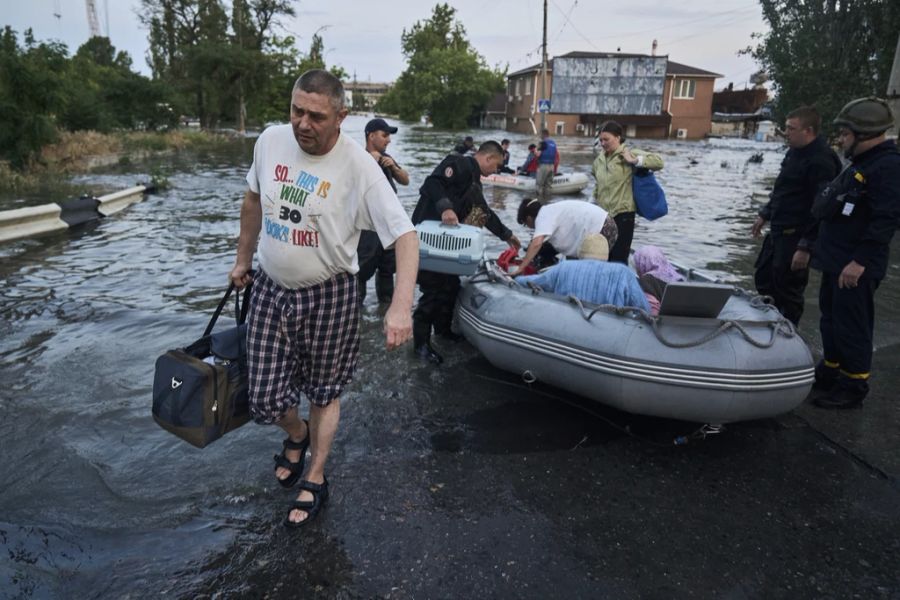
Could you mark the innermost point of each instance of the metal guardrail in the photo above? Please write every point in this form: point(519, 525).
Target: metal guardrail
point(46, 218)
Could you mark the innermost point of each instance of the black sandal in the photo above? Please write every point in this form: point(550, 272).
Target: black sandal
point(311, 508)
point(296, 468)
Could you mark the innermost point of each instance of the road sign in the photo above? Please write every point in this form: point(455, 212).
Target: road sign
point(544, 105)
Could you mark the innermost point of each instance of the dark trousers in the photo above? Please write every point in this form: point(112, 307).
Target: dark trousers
point(774, 277)
point(435, 308)
point(847, 324)
point(622, 248)
point(373, 257)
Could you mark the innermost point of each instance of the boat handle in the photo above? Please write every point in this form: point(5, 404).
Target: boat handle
point(528, 376)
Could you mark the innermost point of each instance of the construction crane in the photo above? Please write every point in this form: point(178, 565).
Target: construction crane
point(92, 17)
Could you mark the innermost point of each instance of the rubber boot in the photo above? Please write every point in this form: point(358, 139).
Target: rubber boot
point(826, 380)
point(384, 286)
point(422, 343)
point(847, 393)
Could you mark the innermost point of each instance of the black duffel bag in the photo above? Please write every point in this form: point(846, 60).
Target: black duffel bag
point(200, 391)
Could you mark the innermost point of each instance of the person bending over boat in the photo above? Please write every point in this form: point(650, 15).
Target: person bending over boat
point(655, 272)
point(591, 280)
point(529, 167)
point(452, 194)
point(575, 228)
point(613, 169)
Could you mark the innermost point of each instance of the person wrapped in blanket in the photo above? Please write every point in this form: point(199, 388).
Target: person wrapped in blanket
point(591, 280)
point(655, 272)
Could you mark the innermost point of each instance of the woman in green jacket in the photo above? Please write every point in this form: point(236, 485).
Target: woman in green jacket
point(613, 169)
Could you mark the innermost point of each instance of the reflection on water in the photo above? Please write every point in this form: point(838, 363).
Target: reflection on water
point(94, 497)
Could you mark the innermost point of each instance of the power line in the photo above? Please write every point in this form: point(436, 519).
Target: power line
point(691, 21)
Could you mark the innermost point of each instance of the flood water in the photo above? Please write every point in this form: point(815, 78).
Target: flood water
point(97, 501)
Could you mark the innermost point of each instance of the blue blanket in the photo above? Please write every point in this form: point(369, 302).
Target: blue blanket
point(595, 281)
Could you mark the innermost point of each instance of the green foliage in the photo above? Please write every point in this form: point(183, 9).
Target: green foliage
point(826, 52)
point(30, 92)
point(445, 77)
point(227, 67)
point(207, 61)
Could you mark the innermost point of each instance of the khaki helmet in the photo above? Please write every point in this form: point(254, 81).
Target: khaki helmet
point(866, 116)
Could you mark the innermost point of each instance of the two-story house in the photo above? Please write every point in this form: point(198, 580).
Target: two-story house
point(650, 96)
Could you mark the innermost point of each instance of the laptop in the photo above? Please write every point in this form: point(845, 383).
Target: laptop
point(704, 300)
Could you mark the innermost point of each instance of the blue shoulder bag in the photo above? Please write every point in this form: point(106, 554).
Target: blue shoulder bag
point(649, 196)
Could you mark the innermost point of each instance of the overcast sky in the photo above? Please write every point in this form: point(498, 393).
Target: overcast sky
point(363, 36)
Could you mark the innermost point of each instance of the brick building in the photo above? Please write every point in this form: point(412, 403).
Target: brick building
point(650, 96)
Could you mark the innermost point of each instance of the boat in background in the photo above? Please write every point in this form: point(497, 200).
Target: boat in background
point(564, 183)
point(747, 363)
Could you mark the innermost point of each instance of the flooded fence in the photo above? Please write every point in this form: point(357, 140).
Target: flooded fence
point(56, 216)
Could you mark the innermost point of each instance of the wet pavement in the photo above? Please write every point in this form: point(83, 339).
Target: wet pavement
point(455, 482)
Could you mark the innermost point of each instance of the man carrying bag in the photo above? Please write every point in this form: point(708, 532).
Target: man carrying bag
point(200, 391)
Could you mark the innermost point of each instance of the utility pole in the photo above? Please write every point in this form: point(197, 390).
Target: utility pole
point(544, 70)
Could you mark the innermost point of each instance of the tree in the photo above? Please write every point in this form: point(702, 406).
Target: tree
point(225, 67)
point(826, 52)
point(31, 91)
point(445, 77)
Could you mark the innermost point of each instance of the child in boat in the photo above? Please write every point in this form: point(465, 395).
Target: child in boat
point(595, 281)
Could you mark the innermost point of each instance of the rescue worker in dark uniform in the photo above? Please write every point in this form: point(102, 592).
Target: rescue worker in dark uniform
point(452, 194)
point(859, 212)
point(371, 255)
point(807, 167)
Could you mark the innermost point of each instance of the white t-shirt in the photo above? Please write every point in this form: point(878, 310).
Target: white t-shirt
point(313, 207)
point(565, 223)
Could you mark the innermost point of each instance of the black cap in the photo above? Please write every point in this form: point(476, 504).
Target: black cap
point(469, 138)
point(379, 125)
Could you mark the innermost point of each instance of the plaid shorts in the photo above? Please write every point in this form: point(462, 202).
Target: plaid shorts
point(304, 340)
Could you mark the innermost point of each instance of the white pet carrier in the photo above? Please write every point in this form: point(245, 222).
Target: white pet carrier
point(452, 249)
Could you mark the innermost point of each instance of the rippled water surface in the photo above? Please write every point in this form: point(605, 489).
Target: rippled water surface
point(96, 500)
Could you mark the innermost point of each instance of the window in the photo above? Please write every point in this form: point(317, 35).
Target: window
point(518, 90)
point(528, 87)
point(560, 128)
point(685, 88)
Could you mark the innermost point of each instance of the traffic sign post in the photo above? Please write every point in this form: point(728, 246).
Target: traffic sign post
point(544, 105)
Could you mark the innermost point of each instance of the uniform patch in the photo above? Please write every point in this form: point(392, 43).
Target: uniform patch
point(448, 172)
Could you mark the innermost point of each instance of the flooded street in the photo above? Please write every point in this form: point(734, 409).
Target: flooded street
point(451, 482)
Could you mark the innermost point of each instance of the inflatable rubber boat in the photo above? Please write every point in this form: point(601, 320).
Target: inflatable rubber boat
point(747, 362)
point(566, 183)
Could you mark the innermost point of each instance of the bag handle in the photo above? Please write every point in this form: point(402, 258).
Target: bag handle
point(240, 312)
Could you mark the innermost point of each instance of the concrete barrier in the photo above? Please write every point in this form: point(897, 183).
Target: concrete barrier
point(34, 220)
point(113, 203)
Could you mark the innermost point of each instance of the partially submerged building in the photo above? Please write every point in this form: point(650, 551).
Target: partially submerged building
point(739, 113)
point(650, 96)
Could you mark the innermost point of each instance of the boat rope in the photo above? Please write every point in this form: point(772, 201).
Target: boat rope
point(762, 303)
point(781, 326)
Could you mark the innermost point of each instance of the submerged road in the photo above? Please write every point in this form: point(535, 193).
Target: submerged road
point(511, 492)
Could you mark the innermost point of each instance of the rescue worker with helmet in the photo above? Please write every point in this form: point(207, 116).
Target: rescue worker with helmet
point(858, 213)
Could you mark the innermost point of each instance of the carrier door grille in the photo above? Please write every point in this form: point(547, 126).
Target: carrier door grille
point(447, 243)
